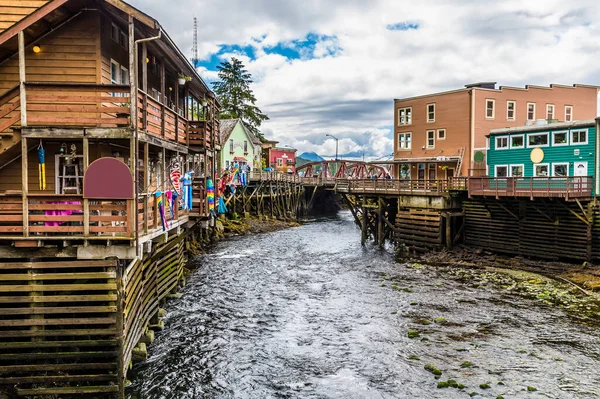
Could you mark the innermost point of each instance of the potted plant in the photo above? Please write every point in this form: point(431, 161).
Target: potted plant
point(181, 78)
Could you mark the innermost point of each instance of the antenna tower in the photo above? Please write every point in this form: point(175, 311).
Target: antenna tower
point(195, 60)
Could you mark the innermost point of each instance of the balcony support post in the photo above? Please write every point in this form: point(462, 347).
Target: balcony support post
point(86, 202)
point(146, 184)
point(25, 185)
point(22, 78)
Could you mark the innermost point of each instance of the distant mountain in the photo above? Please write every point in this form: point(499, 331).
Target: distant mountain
point(311, 157)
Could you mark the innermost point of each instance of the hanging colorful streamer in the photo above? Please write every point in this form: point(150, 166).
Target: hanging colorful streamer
point(161, 209)
point(210, 195)
point(41, 166)
point(187, 191)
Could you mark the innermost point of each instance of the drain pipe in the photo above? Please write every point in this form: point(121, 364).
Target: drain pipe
point(133, 81)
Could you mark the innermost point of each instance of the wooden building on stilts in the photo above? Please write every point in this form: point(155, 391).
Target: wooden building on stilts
point(108, 138)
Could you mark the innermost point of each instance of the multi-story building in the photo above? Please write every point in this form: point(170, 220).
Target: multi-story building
point(105, 127)
point(282, 159)
point(442, 135)
point(239, 145)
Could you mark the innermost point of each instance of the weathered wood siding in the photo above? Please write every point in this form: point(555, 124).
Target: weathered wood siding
point(60, 327)
point(12, 11)
point(547, 229)
point(70, 55)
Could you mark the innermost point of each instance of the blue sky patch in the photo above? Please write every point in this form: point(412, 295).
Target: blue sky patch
point(403, 26)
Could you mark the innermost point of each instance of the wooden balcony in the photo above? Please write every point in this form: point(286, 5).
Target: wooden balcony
point(159, 120)
point(77, 105)
point(573, 187)
point(71, 217)
point(201, 134)
point(60, 105)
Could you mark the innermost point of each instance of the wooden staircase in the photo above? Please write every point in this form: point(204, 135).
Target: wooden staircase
point(10, 120)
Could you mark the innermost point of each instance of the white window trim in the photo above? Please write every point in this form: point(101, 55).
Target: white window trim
point(538, 134)
point(445, 134)
point(113, 62)
point(571, 107)
point(563, 144)
point(493, 108)
point(540, 164)
point(553, 111)
point(510, 142)
point(427, 110)
point(408, 148)
point(534, 111)
point(587, 136)
point(427, 140)
point(123, 69)
point(501, 166)
point(514, 117)
point(404, 109)
point(513, 165)
point(496, 142)
point(558, 164)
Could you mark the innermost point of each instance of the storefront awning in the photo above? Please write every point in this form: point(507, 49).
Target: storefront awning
point(238, 159)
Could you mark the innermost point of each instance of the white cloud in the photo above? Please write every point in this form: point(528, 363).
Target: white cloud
point(346, 84)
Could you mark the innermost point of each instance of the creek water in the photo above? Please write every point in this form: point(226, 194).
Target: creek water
point(306, 313)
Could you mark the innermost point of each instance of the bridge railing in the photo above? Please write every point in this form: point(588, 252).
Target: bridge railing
point(390, 186)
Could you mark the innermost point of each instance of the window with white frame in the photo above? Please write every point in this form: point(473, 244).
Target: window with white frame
point(405, 116)
point(541, 170)
point(511, 110)
point(560, 169)
point(124, 76)
point(579, 137)
point(549, 111)
point(404, 141)
point(231, 146)
point(441, 134)
point(501, 171)
point(537, 140)
point(517, 141)
point(227, 164)
point(431, 139)
point(490, 108)
point(530, 111)
point(279, 162)
point(245, 147)
point(501, 142)
point(516, 170)
point(430, 113)
point(560, 138)
point(114, 72)
point(568, 113)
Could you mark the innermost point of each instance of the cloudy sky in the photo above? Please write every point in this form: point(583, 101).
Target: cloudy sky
point(334, 67)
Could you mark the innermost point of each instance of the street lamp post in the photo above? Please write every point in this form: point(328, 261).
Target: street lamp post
point(336, 145)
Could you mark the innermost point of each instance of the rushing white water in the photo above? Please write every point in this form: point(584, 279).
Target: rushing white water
point(302, 313)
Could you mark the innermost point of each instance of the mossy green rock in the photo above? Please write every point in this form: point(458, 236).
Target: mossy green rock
point(413, 334)
point(443, 384)
point(531, 389)
point(432, 369)
point(465, 365)
point(484, 386)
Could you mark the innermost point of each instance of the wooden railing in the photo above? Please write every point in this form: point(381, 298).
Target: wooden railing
point(561, 187)
point(50, 216)
point(201, 134)
point(85, 105)
point(9, 111)
point(159, 120)
point(389, 186)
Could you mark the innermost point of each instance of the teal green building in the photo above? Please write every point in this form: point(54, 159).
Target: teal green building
point(550, 150)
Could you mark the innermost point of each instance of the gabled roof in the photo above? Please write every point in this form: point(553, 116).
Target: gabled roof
point(227, 126)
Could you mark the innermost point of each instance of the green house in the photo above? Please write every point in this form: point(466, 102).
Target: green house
point(555, 150)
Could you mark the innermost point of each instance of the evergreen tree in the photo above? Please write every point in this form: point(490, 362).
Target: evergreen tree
point(236, 98)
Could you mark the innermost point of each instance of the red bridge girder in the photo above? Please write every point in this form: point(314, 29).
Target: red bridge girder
point(342, 170)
